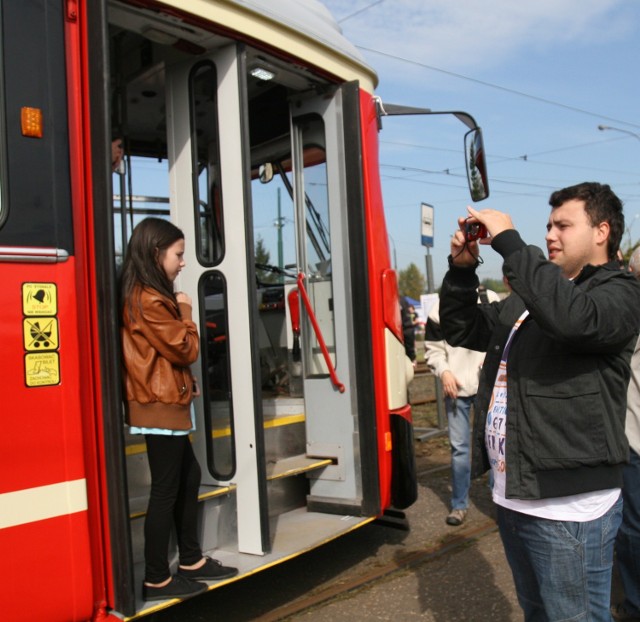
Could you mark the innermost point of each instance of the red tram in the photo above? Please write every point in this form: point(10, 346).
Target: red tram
point(228, 110)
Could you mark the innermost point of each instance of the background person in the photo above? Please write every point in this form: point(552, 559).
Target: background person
point(117, 155)
point(458, 370)
point(628, 540)
point(408, 328)
point(159, 342)
point(552, 393)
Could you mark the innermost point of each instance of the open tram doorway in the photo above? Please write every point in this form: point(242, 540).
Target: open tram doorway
point(253, 172)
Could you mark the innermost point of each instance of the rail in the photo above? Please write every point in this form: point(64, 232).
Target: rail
point(316, 329)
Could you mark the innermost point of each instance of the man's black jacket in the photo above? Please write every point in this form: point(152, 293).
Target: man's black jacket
point(567, 369)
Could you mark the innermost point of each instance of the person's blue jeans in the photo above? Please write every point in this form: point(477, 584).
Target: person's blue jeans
point(628, 540)
point(459, 439)
point(561, 569)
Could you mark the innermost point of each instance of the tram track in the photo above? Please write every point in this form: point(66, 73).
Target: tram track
point(396, 567)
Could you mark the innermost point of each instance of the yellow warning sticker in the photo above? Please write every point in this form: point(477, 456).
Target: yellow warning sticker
point(41, 369)
point(39, 299)
point(40, 333)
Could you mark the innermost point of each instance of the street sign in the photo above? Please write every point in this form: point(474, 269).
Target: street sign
point(427, 225)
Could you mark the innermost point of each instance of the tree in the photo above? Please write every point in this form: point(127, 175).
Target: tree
point(262, 256)
point(496, 285)
point(411, 282)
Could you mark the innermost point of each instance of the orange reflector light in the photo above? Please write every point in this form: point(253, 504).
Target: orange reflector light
point(388, 445)
point(31, 122)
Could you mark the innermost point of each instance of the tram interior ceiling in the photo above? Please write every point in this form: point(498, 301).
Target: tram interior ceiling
point(139, 54)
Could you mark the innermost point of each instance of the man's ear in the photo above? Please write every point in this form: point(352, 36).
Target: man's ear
point(602, 233)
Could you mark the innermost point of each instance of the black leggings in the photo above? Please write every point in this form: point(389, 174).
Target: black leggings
point(175, 479)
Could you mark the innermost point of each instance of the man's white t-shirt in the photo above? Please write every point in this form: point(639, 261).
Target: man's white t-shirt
point(579, 508)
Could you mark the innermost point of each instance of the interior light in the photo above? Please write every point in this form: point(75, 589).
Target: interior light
point(262, 74)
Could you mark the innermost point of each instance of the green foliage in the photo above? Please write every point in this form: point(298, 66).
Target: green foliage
point(496, 285)
point(411, 282)
point(262, 256)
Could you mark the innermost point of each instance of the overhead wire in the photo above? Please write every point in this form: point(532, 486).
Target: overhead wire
point(499, 87)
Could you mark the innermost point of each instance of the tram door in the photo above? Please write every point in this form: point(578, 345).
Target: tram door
point(207, 155)
point(306, 350)
point(327, 352)
point(278, 433)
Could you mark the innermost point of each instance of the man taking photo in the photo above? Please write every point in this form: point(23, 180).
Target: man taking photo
point(551, 400)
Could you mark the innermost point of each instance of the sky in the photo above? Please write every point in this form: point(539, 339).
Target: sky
point(538, 77)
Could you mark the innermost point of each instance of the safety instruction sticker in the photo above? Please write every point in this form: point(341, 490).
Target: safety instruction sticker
point(40, 333)
point(39, 299)
point(42, 369)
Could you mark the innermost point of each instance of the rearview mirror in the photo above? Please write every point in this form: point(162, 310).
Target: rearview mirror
point(265, 173)
point(476, 164)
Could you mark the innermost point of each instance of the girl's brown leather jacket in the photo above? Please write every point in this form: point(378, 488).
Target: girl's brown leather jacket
point(159, 342)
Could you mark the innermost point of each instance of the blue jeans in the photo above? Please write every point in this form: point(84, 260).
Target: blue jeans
point(628, 540)
point(459, 439)
point(561, 569)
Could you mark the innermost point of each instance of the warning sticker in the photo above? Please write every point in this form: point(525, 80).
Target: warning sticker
point(40, 333)
point(39, 299)
point(42, 369)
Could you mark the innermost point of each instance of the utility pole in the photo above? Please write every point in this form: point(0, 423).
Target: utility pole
point(280, 224)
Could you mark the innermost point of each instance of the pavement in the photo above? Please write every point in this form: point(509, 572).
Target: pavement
point(469, 580)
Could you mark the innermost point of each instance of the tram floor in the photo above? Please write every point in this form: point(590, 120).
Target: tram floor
point(430, 572)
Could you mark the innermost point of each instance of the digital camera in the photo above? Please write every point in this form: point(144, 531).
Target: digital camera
point(475, 231)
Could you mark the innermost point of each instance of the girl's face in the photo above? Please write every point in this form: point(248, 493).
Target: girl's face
point(172, 260)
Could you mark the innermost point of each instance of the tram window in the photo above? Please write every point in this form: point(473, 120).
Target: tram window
point(3, 138)
point(317, 242)
point(217, 381)
point(206, 163)
point(3, 142)
point(148, 180)
point(273, 222)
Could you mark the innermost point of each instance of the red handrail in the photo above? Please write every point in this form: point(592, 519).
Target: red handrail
point(318, 332)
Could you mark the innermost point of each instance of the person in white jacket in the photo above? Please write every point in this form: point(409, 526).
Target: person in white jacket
point(458, 370)
point(628, 540)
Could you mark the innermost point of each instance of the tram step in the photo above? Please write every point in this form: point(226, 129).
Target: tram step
point(138, 505)
point(295, 465)
point(287, 467)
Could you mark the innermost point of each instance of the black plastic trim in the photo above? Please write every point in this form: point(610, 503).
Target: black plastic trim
point(108, 319)
point(362, 327)
point(36, 186)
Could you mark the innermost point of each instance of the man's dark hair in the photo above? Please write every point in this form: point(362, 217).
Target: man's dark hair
point(601, 205)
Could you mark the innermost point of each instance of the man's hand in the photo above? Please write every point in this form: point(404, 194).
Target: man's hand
point(496, 222)
point(450, 384)
point(465, 254)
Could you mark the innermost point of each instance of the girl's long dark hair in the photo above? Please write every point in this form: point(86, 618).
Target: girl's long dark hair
point(141, 265)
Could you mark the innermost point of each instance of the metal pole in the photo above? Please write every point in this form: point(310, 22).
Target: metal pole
point(430, 287)
point(280, 225)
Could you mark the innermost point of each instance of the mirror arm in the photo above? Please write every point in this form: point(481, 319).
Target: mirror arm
point(390, 110)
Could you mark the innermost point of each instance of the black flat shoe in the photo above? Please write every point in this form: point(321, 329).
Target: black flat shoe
point(211, 570)
point(178, 587)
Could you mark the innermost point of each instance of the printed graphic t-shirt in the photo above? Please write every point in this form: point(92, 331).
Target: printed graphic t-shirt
point(579, 508)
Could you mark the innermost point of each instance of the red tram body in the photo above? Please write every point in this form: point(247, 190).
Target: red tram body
point(280, 443)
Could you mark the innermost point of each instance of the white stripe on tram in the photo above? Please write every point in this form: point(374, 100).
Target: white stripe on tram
point(34, 504)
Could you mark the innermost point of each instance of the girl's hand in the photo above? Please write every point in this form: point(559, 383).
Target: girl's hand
point(182, 297)
point(195, 390)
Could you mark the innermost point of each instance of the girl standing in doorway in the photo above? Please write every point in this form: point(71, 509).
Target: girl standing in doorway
point(160, 341)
